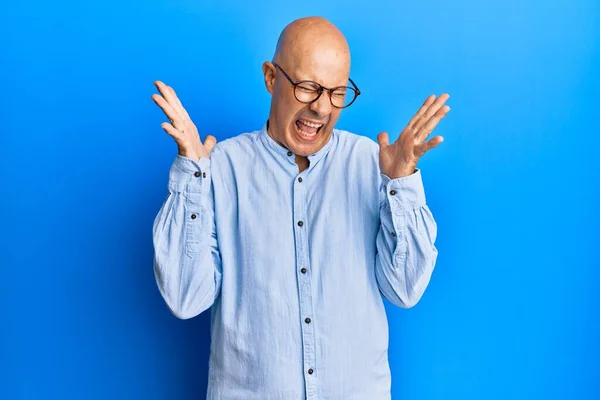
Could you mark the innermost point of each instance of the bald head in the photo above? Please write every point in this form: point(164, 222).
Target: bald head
point(311, 37)
point(308, 49)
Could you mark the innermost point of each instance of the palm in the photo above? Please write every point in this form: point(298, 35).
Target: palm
point(181, 127)
point(400, 158)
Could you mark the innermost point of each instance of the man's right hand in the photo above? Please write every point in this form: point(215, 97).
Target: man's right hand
point(181, 128)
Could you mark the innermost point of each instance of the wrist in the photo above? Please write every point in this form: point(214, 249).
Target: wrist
point(189, 154)
point(401, 173)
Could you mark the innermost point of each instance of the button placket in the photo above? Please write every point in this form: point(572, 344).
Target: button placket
point(301, 227)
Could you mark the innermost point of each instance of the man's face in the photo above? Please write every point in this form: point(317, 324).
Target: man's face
point(304, 128)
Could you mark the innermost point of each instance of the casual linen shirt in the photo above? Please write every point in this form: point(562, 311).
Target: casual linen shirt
point(294, 264)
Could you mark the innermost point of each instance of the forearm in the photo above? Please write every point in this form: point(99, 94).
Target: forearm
point(187, 263)
point(405, 242)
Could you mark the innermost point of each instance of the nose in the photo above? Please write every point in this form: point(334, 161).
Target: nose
point(322, 106)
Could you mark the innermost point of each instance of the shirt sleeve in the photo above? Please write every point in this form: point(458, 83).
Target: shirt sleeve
point(187, 261)
point(406, 253)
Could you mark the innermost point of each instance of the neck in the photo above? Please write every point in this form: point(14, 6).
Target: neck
point(301, 161)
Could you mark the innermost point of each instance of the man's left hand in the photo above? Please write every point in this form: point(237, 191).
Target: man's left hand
point(400, 158)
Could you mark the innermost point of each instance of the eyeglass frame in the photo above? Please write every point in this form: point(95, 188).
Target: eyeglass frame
point(321, 88)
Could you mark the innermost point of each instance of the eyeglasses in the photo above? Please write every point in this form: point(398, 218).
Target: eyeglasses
point(308, 92)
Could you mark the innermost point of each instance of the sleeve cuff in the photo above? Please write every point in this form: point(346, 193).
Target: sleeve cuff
point(405, 193)
point(187, 174)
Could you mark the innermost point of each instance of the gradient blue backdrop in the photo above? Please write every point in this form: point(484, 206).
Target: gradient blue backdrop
point(512, 311)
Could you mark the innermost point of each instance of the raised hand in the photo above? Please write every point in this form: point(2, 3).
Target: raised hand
point(181, 127)
point(400, 158)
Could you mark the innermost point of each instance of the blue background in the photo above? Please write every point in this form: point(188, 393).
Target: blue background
point(512, 311)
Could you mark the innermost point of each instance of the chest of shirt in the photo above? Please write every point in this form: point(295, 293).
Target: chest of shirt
point(266, 198)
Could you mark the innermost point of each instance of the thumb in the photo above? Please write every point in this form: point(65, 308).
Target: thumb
point(210, 142)
point(383, 140)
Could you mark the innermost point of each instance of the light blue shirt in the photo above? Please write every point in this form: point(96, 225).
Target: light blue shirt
point(293, 264)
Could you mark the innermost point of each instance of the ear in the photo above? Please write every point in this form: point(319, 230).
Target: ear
point(269, 75)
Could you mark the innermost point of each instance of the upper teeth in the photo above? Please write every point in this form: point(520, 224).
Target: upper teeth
point(312, 125)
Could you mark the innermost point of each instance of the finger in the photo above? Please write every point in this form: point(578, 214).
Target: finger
point(169, 111)
point(180, 106)
point(166, 92)
point(428, 101)
point(210, 142)
point(433, 108)
point(169, 94)
point(383, 140)
point(425, 147)
point(170, 129)
point(425, 130)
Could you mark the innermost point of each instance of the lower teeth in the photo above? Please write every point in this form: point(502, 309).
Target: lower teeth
point(303, 133)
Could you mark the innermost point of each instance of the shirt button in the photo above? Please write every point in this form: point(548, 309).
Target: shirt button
point(193, 216)
point(300, 223)
point(307, 320)
point(300, 179)
point(392, 192)
point(303, 270)
point(204, 174)
point(197, 174)
point(289, 153)
point(310, 371)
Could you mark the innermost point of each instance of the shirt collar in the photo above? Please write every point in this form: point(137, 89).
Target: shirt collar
point(288, 154)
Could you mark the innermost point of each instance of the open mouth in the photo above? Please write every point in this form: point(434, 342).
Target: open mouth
point(306, 129)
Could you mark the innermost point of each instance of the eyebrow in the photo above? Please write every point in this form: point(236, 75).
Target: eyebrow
point(326, 86)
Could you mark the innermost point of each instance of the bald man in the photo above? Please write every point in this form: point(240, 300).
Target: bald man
point(292, 234)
